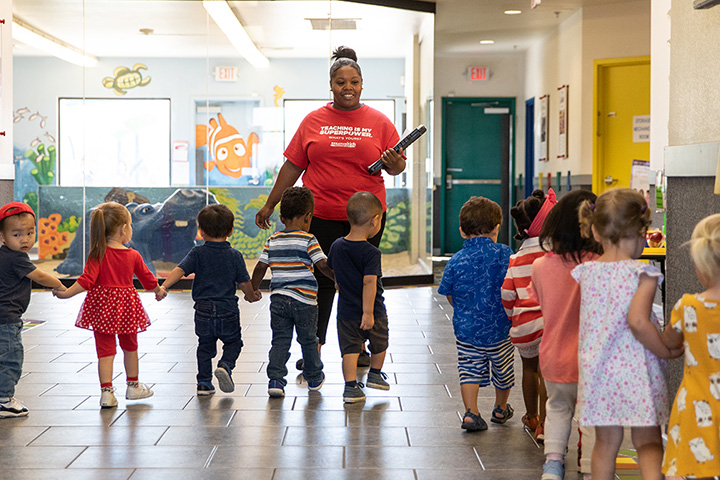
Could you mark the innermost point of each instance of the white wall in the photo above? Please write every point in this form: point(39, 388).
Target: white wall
point(659, 81)
point(7, 170)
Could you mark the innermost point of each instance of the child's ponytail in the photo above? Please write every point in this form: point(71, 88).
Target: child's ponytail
point(105, 222)
point(705, 246)
point(585, 216)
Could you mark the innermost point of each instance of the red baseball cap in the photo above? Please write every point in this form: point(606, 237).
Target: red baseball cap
point(15, 208)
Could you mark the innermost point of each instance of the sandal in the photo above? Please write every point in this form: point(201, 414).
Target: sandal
point(530, 422)
point(476, 425)
point(501, 416)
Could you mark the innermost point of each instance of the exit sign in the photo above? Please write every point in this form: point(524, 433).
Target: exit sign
point(225, 74)
point(477, 73)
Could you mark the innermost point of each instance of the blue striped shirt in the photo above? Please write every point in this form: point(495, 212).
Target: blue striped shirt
point(291, 256)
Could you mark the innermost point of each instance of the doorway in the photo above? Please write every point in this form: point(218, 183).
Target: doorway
point(477, 160)
point(621, 99)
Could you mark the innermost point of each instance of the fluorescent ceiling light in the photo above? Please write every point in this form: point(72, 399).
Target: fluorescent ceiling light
point(29, 35)
point(225, 18)
point(487, 42)
point(512, 12)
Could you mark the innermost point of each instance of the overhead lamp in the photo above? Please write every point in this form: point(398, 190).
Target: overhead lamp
point(29, 35)
point(225, 18)
point(487, 42)
point(512, 12)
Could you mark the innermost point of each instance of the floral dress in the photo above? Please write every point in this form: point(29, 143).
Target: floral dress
point(620, 382)
point(693, 446)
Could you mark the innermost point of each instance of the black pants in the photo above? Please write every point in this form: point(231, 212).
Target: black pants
point(326, 232)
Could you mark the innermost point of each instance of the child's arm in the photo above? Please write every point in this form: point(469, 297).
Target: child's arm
point(674, 341)
point(251, 295)
point(639, 318)
point(176, 274)
point(258, 274)
point(46, 280)
point(69, 292)
point(449, 297)
point(368, 301)
point(323, 266)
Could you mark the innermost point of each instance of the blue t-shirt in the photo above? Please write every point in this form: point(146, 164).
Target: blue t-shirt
point(351, 261)
point(218, 268)
point(15, 286)
point(473, 277)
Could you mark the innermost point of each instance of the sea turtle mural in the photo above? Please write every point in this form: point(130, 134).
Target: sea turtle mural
point(126, 79)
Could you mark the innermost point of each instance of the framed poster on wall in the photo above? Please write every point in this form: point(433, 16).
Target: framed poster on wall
point(543, 129)
point(562, 122)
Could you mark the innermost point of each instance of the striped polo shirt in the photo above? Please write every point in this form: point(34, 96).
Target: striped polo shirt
point(291, 256)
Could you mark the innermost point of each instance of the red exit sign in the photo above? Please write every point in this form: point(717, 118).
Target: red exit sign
point(477, 73)
point(225, 74)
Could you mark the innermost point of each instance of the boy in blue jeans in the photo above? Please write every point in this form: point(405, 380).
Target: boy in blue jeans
point(471, 281)
point(361, 313)
point(17, 233)
point(219, 269)
point(291, 255)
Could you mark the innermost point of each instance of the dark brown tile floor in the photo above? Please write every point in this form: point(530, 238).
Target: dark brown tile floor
point(410, 432)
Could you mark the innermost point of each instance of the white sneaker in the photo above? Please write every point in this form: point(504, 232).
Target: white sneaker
point(12, 408)
point(137, 390)
point(107, 398)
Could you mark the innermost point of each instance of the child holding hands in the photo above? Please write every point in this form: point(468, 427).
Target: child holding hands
point(112, 305)
point(361, 313)
point(471, 281)
point(17, 233)
point(621, 375)
point(693, 446)
point(559, 297)
point(291, 255)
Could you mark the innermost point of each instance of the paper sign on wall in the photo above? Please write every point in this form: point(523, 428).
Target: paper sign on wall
point(641, 128)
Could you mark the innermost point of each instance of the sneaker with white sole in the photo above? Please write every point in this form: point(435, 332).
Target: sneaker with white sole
point(377, 380)
point(354, 394)
point(205, 389)
point(137, 390)
point(107, 398)
point(314, 386)
point(224, 378)
point(13, 408)
point(276, 389)
point(553, 470)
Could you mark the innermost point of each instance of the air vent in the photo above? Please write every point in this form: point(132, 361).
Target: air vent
point(333, 23)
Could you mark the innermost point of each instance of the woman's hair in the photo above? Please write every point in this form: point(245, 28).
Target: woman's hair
point(616, 214)
point(524, 213)
point(480, 216)
point(560, 233)
point(705, 246)
point(344, 57)
point(106, 220)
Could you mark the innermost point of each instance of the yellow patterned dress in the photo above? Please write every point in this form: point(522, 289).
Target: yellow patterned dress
point(693, 446)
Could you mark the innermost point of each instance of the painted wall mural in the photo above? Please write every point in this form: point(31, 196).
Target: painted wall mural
point(125, 78)
point(229, 151)
point(34, 153)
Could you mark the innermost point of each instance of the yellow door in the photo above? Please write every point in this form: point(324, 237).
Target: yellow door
point(622, 95)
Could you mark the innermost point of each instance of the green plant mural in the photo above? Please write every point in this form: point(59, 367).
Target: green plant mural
point(396, 236)
point(69, 224)
point(246, 237)
point(44, 162)
point(31, 198)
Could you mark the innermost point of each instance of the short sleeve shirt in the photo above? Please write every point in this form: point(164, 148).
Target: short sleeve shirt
point(218, 268)
point(15, 286)
point(351, 261)
point(473, 277)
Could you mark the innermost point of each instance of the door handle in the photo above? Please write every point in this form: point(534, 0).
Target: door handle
point(448, 182)
point(609, 180)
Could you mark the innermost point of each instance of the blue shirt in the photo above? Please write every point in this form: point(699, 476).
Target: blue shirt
point(473, 277)
point(218, 268)
point(15, 286)
point(351, 261)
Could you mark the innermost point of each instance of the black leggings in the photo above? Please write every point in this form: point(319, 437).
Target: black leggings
point(326, 232)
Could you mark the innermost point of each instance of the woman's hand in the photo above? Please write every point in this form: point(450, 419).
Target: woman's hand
point(394, 162)
point(262, 218)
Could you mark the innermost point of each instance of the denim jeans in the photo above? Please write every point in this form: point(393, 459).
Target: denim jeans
point(11, 357)
point(212, 325)
point(286, 313)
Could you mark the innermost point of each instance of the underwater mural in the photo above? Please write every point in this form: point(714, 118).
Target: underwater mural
point(229, 152)
point(124, 79)
point(34, 154)
point(278, 93)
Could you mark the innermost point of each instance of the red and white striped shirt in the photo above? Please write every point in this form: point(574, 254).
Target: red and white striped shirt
point(524, 313)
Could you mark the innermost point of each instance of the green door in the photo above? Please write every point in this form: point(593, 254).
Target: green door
point(476, 161)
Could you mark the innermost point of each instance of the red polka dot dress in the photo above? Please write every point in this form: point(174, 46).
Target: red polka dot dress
point(112, 304)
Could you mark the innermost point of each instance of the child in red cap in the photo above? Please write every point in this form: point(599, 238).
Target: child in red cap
point(17, 233)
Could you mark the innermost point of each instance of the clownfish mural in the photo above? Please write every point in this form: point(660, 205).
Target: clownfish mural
point(230, 153)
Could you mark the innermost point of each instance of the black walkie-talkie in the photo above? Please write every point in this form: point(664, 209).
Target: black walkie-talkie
point(404, 142)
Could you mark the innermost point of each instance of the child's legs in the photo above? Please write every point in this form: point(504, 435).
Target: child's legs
point(588, 444)
point(305, 320)
point(11, 357)
point(530, 385)
point(106, 348)
point(282, 330)
point(349, 366)
point(501, 398)
point(474, 371)
point(207, 340)
point(502, 357)
point(129, 345)
point(604, 455)
point(542, 395)
point(378, 336)
point(351, 340)
point(227, 329)
point(469, 393)
point(559, 420)
point(648, 443)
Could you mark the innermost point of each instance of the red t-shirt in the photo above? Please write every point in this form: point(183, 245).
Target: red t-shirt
point(116, 270)
point(335, 147)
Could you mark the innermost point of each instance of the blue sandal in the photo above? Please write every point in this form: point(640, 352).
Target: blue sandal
point(501, 416)
point(476, 425)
